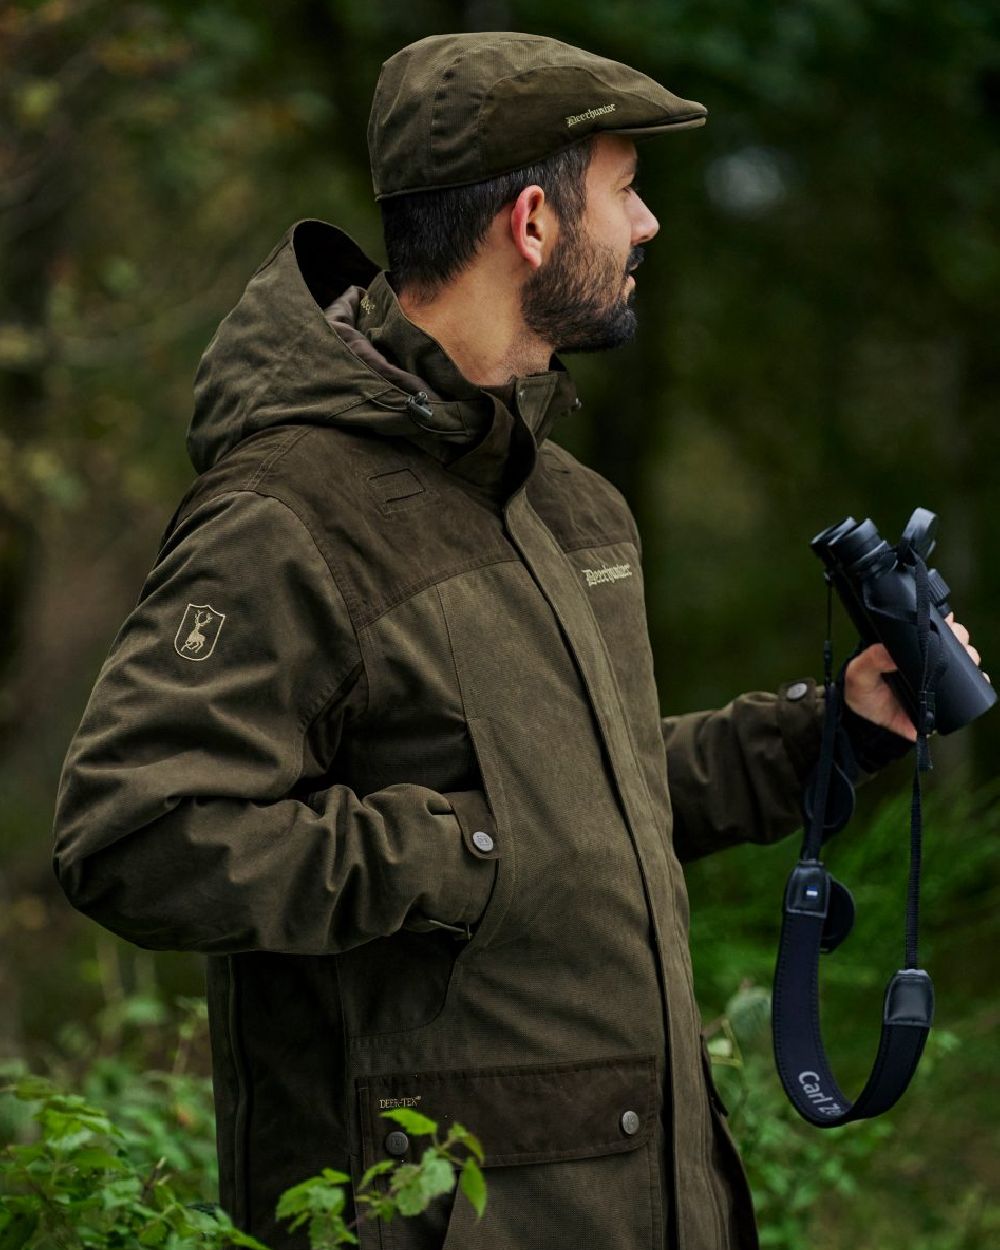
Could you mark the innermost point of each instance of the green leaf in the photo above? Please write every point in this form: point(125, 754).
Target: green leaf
point(329, 1200)
point(437, 1175)
point(30, 1088)
point(296, 1199)
point(473, 1185)
point(412, 1121)
point(405, 1174)
point(377, 1169)
point(469, 1140)
point(378, 1204)
point(410, 1198)
point(95, 1160)
point(234, 1237)
point(68, 1139)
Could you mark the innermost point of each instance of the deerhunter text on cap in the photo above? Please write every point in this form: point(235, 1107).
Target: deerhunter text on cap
point(454, 109)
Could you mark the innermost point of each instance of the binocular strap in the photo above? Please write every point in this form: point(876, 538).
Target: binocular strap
point(818, 913)
point(812, 898)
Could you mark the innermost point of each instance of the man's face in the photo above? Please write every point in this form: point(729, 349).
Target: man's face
point(580, 299)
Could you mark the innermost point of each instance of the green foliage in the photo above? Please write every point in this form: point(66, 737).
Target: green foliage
point(136, 1063)
point(389, 1189)
point(77, 1176)
point(802, 1177)
point(77, 1185)
point(789, 1163)
point(924, 1174)
point(123, 1161)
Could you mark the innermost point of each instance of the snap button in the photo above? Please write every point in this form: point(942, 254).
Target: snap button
point(397, 1143)
point(797, 690)
point(482, 841)
point(630, 1123)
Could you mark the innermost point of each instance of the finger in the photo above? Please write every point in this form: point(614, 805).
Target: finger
point(959, 630)
point(974, 653)
point(902, 725)
point(987, 676)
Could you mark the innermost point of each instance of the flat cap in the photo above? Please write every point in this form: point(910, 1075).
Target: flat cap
point(450, 110)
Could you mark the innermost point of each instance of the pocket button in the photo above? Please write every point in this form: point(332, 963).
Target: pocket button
point(630, 1123)
point(397, 1144)
point(482, 840)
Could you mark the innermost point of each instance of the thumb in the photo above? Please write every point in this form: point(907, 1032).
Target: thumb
point(878, 659)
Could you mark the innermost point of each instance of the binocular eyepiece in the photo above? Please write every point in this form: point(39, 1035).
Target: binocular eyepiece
point(878, 586)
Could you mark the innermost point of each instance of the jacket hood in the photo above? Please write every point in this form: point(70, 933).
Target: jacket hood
point(318, 336)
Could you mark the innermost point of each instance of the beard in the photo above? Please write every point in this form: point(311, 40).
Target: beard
point(578, 301)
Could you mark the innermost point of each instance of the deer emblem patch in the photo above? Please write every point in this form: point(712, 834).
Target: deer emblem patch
point(199, 629)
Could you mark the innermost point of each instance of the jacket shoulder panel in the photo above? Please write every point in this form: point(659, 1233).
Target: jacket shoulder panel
point(580, 506)
point(388, 518)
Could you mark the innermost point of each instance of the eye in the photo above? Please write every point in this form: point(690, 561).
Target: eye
point(633, 186)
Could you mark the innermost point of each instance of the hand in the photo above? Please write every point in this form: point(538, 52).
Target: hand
point(867, 694)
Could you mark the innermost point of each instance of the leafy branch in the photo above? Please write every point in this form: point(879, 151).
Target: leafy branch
point(409, 1188)
point(78, 1186)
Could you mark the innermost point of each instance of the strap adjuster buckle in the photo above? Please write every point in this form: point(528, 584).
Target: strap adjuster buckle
point(808, 890)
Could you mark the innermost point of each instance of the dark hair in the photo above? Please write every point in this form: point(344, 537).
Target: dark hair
point(430, 236)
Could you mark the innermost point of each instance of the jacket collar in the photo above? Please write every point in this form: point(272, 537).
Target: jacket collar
point(506, 425)
point(295, 348)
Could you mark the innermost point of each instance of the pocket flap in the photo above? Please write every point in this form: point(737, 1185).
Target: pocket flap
point(525, 1113)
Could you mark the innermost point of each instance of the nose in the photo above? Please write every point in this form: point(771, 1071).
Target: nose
point(644, 224)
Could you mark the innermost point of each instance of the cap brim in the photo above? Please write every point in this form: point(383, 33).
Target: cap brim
point(682, 123)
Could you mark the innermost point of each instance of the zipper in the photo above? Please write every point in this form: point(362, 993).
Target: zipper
point(632, 761)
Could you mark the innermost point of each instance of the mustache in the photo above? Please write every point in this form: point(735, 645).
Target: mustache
point(635, 259)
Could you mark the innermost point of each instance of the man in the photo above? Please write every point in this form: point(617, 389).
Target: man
point(381, 737)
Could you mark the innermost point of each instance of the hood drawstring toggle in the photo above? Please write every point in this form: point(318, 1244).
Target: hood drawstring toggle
point(420, 404)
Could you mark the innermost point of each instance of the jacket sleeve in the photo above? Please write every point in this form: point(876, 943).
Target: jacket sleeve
point(736, 774)
point(173, 822)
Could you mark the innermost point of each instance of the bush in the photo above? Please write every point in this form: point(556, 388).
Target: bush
point(129, 1162)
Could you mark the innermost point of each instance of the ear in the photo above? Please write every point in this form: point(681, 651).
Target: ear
point(531, 225)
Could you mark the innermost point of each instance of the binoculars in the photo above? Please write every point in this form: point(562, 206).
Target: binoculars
point(878, 586)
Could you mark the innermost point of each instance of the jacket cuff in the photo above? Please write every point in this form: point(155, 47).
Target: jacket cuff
point(800, 707)
point(482, 844)
point(873, 746)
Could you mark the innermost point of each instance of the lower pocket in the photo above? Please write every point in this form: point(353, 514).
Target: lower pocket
point(611, 1202)
point(572, 1154)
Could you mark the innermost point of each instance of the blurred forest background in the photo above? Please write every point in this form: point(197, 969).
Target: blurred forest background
point(819, 318)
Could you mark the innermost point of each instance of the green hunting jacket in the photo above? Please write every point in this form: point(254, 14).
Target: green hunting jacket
point(381, 738)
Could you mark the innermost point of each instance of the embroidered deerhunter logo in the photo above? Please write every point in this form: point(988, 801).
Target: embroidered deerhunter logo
point(367, 304)
point(574, 118)
point(609, 573)
point(199, 630)
point(389, 1104)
